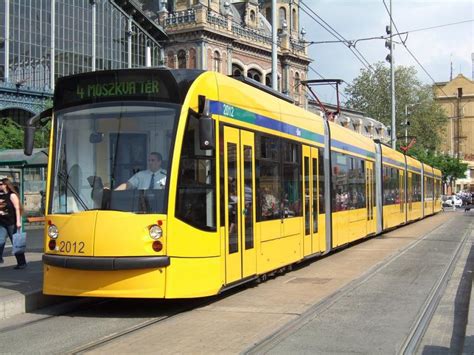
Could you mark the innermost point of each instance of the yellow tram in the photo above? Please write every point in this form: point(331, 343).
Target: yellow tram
point(184, 183)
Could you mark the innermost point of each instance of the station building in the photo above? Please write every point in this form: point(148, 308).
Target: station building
point(42, 40)
point(457, 99)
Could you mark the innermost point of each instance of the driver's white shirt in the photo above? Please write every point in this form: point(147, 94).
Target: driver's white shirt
point(141, 180)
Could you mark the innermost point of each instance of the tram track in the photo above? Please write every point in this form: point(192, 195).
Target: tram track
point(419, 326)
point(96, 344)
point(423, 320)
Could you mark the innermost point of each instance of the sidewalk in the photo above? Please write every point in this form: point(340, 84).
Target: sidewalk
point(21, 290)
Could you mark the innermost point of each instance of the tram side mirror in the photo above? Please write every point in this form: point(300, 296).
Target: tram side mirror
point(96, 137)
point(29, 140)
point(206, 125)
point(30, 129)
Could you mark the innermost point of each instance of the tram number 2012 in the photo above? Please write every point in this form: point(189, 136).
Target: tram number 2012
point(228, 110)
point(75, 247)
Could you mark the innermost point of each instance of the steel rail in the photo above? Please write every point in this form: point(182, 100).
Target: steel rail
point(432, 301)
point(266, 344)
point(134, 328)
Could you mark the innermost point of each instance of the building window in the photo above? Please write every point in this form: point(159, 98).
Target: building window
point(295, 20)
point(252, 16)
point(181, 59)
point(297, 86)
point(255, 75)
point(268, 80)
point(217, 61)
point(282, 12)
point(237, 70)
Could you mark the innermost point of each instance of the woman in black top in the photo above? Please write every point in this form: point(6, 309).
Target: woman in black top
point(10, 218)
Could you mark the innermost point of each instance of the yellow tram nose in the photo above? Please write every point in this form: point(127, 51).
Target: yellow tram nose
point(105, 253)
point(106, 234)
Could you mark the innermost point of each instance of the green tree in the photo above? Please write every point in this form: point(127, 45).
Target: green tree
point(370, 93)
point(451, 168)
point(11, 135)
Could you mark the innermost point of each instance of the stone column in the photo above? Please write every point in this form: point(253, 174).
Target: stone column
point(229, 59)
point(203, 55)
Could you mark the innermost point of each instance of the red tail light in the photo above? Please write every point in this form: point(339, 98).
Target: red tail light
point(52, 244)
point(157, 246)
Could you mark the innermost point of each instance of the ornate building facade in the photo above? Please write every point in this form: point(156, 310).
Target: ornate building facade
point(235, 38)
point(457, 99)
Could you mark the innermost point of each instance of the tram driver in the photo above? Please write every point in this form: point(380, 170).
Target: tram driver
point(152, 178)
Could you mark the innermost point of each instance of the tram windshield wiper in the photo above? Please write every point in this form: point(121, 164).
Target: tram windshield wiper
point(63, 177)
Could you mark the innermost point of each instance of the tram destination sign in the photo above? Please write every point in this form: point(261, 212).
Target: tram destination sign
point(131, 88)
point(116, 85)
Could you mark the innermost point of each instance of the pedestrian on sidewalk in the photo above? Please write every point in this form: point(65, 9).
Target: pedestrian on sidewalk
point(10, 218)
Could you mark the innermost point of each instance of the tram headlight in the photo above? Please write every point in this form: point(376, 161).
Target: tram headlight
point(53, 231)
point(155, 232)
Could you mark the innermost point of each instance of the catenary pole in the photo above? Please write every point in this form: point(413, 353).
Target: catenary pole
point(392, 79)
point(274, 46)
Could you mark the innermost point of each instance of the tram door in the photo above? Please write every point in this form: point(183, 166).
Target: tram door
point(401, 185)
point(311, 200)
point(370, 193)
point(239, 195)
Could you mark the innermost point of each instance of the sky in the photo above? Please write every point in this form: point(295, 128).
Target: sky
point(434, 48)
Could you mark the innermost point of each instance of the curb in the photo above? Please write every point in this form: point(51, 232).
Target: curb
point(469, 336)
point(18, 303)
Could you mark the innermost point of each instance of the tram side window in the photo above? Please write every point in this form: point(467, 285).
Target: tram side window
point(391, 188)
point(268, 178)
point(356, 181)
point(416, 181)
point(291, 199)
point(428, 188)
point(340, 184)
point(196, 191)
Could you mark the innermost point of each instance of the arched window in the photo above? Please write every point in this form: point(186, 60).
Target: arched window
point(297, 82)
point(252, 16)
point(237, 70)
point(217, 62)
point(182, 59)
point(282, 12)
point(268, 80)
point(255, 75)
point(295, 25)
point(297, 88)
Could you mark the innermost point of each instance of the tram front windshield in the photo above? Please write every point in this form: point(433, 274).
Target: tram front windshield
point(113, 157)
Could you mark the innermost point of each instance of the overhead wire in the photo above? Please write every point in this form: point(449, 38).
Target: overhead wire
point(319, 20)
point(354, 41)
